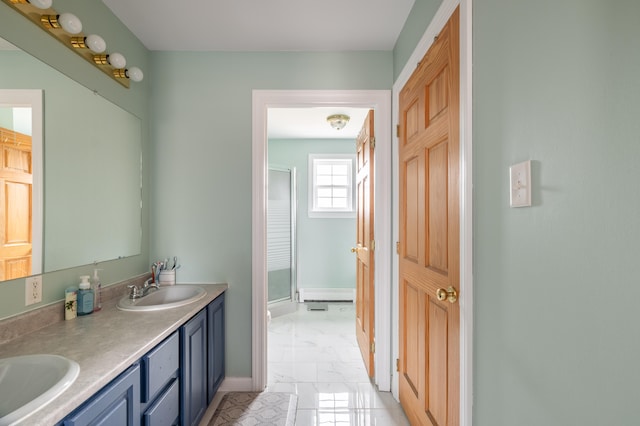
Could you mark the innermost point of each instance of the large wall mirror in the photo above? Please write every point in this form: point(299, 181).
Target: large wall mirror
point(91, 169)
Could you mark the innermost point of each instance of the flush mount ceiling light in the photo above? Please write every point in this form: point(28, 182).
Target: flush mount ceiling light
point(338, 121)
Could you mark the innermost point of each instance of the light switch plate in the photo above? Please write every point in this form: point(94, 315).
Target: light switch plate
point(520, 184)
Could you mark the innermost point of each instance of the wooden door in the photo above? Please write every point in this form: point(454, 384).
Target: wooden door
point(16, 184)
point(365, 312)
point(429, 235)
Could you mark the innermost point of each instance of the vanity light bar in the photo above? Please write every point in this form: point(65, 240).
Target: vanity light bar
point(67, 29)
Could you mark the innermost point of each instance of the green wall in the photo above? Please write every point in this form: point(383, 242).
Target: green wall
point(26, 35)
point(556, 289)
point(324, 257)
point(417, 22)
point(202, 160)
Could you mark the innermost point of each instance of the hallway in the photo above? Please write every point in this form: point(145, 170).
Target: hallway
point(314, 354)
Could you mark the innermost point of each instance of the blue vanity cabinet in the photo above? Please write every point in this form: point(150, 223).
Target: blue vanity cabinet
point(215, 353)
point(116, 404)
point(171, 385)
point(160, 383)
point(193, 367)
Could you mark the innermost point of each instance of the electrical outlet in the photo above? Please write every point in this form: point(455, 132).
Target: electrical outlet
point(33, 290)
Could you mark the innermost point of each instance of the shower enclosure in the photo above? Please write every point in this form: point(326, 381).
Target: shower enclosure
point(281, 240)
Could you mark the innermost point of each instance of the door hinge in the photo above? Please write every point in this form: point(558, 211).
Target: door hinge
point(397, 130)
point(397, 364)
point(372, 246)
point(373, 347)
point(373, 142)
point(398, 247)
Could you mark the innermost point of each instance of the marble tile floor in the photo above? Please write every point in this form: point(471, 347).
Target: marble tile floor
point(314, 354)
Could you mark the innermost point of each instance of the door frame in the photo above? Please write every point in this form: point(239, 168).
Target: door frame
point(466, 214)
point(380, 102)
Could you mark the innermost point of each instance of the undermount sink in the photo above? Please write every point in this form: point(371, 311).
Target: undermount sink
point(29, 382)
point(163, 298)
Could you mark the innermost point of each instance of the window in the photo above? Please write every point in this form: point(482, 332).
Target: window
point(331, 185)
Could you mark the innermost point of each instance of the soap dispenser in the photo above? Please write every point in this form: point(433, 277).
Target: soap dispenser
point(85, 296)
point(96, 285)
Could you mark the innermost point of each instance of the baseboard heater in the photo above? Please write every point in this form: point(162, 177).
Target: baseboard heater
point(326, 295)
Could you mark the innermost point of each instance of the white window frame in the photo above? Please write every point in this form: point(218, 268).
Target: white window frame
point(317, 212)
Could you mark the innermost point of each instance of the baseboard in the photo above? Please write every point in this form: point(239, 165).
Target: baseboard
point(327, 294)
point(237, 384)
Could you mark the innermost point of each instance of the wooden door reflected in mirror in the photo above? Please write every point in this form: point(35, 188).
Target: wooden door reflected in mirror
point(16, 183)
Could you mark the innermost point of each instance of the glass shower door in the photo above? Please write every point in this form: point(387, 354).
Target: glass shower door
point(281, 238)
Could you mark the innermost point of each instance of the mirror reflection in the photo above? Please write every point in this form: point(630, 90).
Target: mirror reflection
point(91, 170)
point(20, 183)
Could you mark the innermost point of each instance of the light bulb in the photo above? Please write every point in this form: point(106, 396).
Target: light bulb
point(70, 23)
point(117, 60)
point(135, 74)
point(41, 4)
point(95, 43)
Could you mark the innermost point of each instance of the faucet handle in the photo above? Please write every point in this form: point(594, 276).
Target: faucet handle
point(134, 291)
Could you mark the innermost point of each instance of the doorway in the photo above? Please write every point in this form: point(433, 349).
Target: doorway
point(380, 102)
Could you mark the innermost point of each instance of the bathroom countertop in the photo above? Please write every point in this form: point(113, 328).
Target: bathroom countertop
point(104, 344)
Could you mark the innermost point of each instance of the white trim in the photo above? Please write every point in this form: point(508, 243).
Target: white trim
point(466, 214)
point(236, 384)
point(466, 179)
point(380, 101)
point(34, 99)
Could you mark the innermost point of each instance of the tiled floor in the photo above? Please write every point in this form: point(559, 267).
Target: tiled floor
point(315, 355)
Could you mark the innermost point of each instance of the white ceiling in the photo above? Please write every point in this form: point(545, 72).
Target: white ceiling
point(264, 25)
point(311, 123)
point(271, 25)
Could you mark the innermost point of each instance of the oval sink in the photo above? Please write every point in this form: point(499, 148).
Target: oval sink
point(29, 382)
point(163, 298)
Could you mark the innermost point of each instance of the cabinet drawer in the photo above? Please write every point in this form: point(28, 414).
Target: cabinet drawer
point(166, 409)
point(118, 403)
point(159, 366)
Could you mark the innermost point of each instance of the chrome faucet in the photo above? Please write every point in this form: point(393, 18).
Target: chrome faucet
point(147, 286)
point(136, 292)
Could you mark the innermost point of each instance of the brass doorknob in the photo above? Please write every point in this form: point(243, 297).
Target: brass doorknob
point(449, 294)
point(354, 249)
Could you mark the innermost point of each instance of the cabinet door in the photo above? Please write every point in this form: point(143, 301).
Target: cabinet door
point(215, 362)
point(117, 404)
point(193, 365)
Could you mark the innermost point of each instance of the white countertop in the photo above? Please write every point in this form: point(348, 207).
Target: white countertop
point(104, 344)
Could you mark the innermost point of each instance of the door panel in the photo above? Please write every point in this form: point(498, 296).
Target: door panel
point(438, 367)
point(365, 312)
point(412, 215)
point(436, 253)
point(429, 235)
